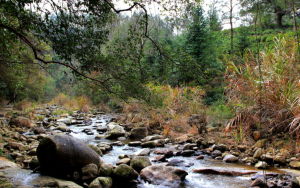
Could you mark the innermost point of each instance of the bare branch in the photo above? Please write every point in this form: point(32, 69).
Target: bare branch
point(121, 10)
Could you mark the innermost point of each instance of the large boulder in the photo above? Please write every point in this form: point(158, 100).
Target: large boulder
point(65, 156)
point(163, 175)
point(22, 122)
point(140, 162)
point(115, 131)
point(138, 133)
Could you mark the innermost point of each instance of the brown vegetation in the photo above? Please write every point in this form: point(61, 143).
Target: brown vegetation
point(265, 91)
point(81, 103)
point(171, 117)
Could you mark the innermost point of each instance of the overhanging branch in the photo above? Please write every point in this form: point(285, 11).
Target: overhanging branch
point(36, 52)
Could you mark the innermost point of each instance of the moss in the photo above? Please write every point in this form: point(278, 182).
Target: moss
point(105, 181)
point(4, 183)
point(106, 170)
point(140, 162)
point(125, 172)
point(60, 112)
point(39, 117)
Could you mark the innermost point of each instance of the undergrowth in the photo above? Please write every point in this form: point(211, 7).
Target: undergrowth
point(176, 104)
point(264, 90)
point(81, 103)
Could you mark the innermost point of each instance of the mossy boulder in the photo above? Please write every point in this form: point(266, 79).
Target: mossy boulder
point(101, 182)
point(125, 173)
point(4, 183)
point(260, 143)
point(140, 162)
point(106, 169)
point(138, 133)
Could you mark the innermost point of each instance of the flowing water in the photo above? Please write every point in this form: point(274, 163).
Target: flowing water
point(193, 180)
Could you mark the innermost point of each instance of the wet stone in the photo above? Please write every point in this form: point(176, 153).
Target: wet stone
point(102, 129)
point(160, 158)
point(200, 157)
point(123, 161)
point(144, 152)
point(229, 158)
point(216, 153)
point(187, 153)
point(135, 143)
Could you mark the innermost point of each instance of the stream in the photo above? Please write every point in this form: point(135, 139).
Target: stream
point(193, 180)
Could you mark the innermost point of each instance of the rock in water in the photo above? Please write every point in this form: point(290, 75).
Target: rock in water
point(125, 172)
point(64, 156)
point(101, 182)
point(115, 131)
point(163, 175)
point(140, 162)
point(138, 133)
point(221, 172)
point(229, 158)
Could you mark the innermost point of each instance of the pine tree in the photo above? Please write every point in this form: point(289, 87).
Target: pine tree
point(204, 69)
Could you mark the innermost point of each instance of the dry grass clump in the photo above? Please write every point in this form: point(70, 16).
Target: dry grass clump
point(171, 117)
point(81, 103)
point(25, 106)
point(265, 92)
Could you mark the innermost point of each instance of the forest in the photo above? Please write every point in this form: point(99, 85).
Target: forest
point(141, 83)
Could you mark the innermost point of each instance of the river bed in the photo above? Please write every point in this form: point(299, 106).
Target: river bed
point(193, 180)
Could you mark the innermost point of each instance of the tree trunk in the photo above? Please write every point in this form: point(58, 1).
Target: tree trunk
point(231, 26)
point(296, 25)
point(279, 16)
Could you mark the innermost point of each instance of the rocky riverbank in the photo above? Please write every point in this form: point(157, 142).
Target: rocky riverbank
point(158, 160)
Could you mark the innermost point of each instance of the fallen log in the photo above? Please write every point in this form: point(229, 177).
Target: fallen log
point(64, 156)
point(221, 172)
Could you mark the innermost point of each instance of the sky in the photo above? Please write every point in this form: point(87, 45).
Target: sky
point(154, 9)
point(221, 6)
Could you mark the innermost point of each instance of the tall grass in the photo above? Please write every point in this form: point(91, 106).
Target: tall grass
point(265, 91)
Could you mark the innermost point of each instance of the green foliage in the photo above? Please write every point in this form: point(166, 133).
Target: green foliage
point(220, 112)
point(60, 112)
point(243, 40)
point(204, 68)
point(269, 13)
